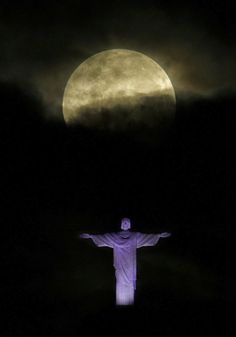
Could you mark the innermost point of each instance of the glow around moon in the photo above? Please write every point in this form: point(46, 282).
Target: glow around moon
point(118, 89)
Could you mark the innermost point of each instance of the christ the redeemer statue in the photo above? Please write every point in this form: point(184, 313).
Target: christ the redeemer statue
point(124, 244)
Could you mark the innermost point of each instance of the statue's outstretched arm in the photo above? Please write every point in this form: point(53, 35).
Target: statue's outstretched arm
point(144, 240)
point(164, 235)
point(149, 239)
point(100, 240)
point(85, 236)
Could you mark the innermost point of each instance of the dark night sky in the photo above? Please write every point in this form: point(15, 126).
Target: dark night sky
point(58, 182)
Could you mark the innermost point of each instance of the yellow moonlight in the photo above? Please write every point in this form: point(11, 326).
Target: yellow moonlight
point(118, 89)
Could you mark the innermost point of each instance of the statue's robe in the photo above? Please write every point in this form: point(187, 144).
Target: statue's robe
point(124, 246)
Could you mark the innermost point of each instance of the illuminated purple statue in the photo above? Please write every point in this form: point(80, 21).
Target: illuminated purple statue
point(124, 244)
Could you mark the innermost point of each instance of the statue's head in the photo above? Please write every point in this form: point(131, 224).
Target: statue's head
point(125, 224)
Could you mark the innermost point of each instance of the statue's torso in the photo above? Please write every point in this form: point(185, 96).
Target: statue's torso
point(125, 255)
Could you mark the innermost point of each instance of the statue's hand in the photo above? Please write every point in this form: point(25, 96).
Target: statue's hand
point(84, 236)
point(164, 235)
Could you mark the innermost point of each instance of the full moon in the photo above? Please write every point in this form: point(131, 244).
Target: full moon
point(119, 89)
